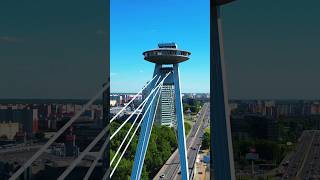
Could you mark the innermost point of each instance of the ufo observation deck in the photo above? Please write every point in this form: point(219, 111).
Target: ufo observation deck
point(166, 53)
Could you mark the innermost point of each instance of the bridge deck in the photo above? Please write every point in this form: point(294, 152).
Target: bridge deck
point(172, 166)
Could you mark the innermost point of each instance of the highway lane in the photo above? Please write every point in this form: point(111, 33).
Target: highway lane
point(294, 162)
point(171, 167)
point(194, 146)
point(304, 163)
point(311, 165)
point(20, 148)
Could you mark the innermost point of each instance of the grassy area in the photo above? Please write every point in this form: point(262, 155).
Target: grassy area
point(207, 130)
point(189, 118)
point(187, 127)
point(188, 123)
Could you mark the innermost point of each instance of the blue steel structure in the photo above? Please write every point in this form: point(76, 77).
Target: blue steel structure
point(166, 59)
point(144, 135)
point(222, 164)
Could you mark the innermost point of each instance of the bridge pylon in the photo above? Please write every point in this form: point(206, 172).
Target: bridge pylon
point(169, 111)
point(221, 154)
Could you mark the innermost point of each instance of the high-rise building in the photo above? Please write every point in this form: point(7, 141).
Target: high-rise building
point(165, 111)
point(166, 58)
point(30, 121)
point(116, 98)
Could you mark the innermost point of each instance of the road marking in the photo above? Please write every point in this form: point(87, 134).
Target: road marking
point(305, 157)
point(194, 137)
point(167, 165)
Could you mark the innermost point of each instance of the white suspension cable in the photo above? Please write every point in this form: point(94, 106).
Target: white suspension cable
point(115, 133)
point(57, 134)
point(97, 139)
point(105, 175)
point(82, 154)
point(125, 138)
point(124, 122)
point(113, 170)
point(93, 143)
point(134, 97)
point(93, 165)
point(154, 114)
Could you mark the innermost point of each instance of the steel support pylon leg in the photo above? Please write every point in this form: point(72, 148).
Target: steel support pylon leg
point(221, 154)
point(145, 133)
point(148, 122)
point(182, 148)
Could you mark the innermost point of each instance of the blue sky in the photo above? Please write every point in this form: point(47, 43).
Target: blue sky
point(137, 26)
point(57, 49)
point(271, 49)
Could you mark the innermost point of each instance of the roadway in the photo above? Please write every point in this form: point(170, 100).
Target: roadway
point(171, 169)
point(304, 163)
point(20, 148)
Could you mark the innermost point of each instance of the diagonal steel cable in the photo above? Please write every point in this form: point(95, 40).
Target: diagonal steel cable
point(144, 101)
point(92, 166)
point(135, 131)
point(93, 143)
point(57, 134)
point(132, 99)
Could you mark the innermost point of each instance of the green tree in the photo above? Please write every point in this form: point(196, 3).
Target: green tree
point(206, 141)
point(161, 145)
point(186, 107)
point(187, 128)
